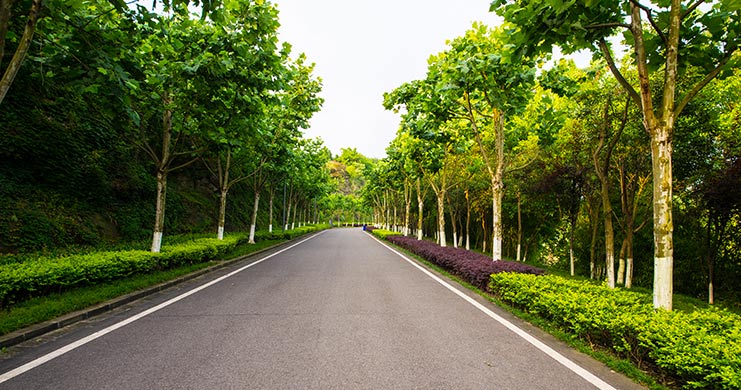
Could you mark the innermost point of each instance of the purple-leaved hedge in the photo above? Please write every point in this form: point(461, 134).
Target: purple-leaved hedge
point(473, 267)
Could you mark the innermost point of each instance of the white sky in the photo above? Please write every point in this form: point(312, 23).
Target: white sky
point(363, 49)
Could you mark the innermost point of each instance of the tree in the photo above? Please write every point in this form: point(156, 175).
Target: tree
point(481, 83)
point(708, 35)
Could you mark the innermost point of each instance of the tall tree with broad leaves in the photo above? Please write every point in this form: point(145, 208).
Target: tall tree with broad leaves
point(480, 82)
point(664, 37)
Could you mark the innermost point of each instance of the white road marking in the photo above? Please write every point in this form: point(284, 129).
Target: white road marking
point(61, 351)
point(578, 370)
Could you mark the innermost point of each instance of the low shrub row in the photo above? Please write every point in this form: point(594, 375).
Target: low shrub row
point(473, 267)
point(697, 350)
point(44, 275)
point(383, 233)
point(289, 234)
point(20, 281)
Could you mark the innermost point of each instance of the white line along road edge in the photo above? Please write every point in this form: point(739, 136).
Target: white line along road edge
point(61, 351)
point(578, 370)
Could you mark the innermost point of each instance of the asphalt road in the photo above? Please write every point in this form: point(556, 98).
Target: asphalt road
point(337, 311)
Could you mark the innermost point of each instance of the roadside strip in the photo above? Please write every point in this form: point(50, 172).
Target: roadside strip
point(578, 370)
point(61, 351)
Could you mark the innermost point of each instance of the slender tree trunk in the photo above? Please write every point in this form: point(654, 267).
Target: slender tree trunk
point(441, 216)
point(271, 193)
point(497, 217)
point(222, 213)
point(24, 43)
point(519, 226)
point(621, 262)
point(468, 222)
point(629, 258)
point(661, 152)
point(253, 222)
point(293, 219)
point(420, 208)
point(159, 218)
point(483, 228)
point(594, 224)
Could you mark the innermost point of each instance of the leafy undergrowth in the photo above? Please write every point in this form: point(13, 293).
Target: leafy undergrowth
point(44, 275)
point(472, 267)
point(696, 350)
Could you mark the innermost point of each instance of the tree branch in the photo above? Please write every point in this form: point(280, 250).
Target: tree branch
point(616, 72)
point(700, 85)
point(607, 25)
point(692, 8)
point(649, 15)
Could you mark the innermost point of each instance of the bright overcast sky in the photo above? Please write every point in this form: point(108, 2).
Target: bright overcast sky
point(363, 49)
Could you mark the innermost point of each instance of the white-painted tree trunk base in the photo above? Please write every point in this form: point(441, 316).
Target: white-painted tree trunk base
point(220, 233)
point(663, 282)
point(497, 249)
point(270, 228)
point(419, 235)
point(455, 240)
point(156, 242)
point(252, 234)
point(441, 236)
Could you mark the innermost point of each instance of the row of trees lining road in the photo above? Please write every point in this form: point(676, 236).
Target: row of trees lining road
point(215, 92)
point(559, 146)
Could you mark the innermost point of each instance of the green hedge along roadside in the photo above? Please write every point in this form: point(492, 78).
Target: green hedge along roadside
point(697, 350)
point(46, 275)
point(382, 234)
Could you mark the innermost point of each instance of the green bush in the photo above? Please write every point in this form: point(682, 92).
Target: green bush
point(41, 276)
point(698, 350)
point(382, 233)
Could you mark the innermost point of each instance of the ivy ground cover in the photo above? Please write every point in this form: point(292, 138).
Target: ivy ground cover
point(472, 267)
point(697, 350)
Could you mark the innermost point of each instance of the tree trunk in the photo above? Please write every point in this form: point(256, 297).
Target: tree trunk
point(661, 156)
point(519, 226)
point(468, 222)
point(497, 217)
point(441, 216)
point(621, 262)
point(420, 208)
point(20, 52)
point(253, 222)
point(270, 208)
point(594, 223)
point(222, 213)
point(159, 217)
point(629, 259)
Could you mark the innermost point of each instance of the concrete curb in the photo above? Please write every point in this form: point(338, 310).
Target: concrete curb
point(40, 329)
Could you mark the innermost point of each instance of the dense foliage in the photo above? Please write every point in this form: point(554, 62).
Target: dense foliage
point(116, 106)
point(696, 350)
point(473, 267)
point(510, 152)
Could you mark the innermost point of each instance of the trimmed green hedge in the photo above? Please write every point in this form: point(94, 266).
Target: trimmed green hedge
point(698, 350)
point(23, 280)
point(382, 233)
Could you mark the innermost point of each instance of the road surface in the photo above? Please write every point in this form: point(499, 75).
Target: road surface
point(338, 310)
